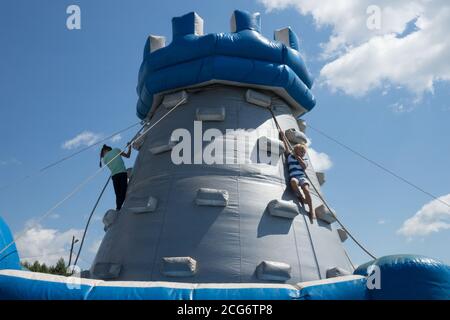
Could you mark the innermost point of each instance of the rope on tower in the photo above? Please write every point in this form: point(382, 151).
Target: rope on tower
point(319, 193)
point(89, 178)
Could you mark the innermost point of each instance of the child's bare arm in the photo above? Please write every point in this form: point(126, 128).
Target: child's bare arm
point(302, 163)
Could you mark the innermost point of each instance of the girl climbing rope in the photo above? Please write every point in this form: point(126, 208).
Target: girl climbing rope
point(119, 177)
point(297, 165)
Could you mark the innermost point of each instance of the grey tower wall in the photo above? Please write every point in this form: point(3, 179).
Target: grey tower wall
point(228, 243)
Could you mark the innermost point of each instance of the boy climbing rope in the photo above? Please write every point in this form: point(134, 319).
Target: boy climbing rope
point(113, 158)
point(297, 166)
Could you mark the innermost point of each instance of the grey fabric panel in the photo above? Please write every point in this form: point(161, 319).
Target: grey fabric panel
point(210, 235)
point(132, 240)
point(228, 243)
point(264, 237)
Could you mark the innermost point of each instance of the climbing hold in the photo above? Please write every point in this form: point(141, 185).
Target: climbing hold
point(161, 148)
point(283, 209)
point(211, 197)
point(342, 234)
point(179, 267)
point(151, 206)
point(138, 142)
point(174, 99)
point(324, 214)
point(337, 272)
point(321, 177)
point(273, 271)
point(109, 218)
point(210, 114)
point(107, 271)
point(258, 98)
point(295, 136)
point(301, 125)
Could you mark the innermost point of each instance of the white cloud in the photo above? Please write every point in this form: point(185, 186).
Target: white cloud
point(46, 245)
point(11, 161)
point(431, 218)
point(85, 138)
point(360, 60)
point(400, 108)
point(95, 246)
point(116, 138)
point(320, 160)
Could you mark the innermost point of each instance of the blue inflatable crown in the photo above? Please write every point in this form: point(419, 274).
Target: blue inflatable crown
point(242, 57)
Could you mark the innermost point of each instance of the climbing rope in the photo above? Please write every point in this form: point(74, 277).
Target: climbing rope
point(89, 178)
point(317, 191)
point(55, 163)
point(89, 220)
point(380, 166)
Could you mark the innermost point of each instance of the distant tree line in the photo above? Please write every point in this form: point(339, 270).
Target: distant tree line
point(58, 269)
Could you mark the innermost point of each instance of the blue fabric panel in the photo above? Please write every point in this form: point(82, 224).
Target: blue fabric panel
point(17, 288)
point(183, 49)
point(169, 64)
point(293, 40)
point(402, 277)
point(9, 259)
point(409, 277)
point(141, 109)
point(183, 25)
point(345, 290)
point(232, 69)
point(136, 293)
point(249, 44)
point(247, 21)
point(295, 61)
point(225, 68)
point(246, 294)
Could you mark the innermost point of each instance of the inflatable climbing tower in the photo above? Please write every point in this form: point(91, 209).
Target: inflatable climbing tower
point(209, 213)
point(209, 198)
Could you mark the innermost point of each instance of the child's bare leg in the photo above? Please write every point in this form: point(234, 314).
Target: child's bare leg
point(305, 188)
point(294, 186)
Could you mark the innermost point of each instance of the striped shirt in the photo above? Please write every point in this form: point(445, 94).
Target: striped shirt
point(295, 169)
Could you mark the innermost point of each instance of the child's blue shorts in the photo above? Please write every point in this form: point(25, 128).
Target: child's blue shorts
point(302, 180)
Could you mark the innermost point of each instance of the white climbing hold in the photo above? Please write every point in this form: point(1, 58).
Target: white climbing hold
point(138, 142)
point(295, 136)
point(258, 98)
point(151, 206)
point(273, 271)
point(107, 271)
point(179, 266)
point(109, 218)
point(283, 209)
point(301, 125)
point(342, 234)
point(212, 197)
point(174, 99)
point(321, 177)
point(337, 272)
point(324, 214)
point(210, 114)
point(162, 147)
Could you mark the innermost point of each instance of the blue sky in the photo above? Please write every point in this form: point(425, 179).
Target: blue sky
point(393, 107)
